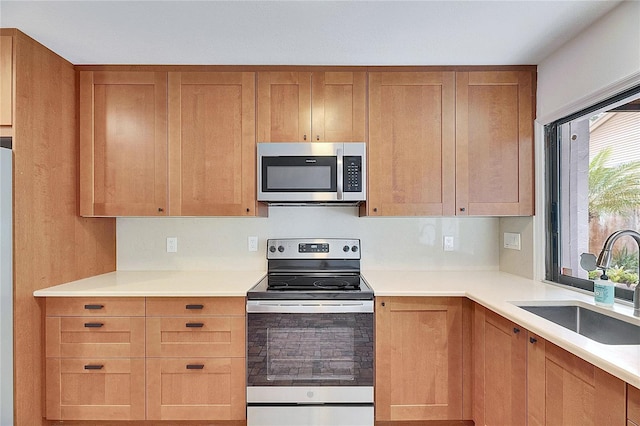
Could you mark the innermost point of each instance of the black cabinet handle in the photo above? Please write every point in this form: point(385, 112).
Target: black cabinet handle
point(532, 339)
point(194, 307)
point(516, 330)
point(93, 367)
point(194, 324)
point(160, 209)
point(462, 209)
point(93, 306)
point(382, 304)
point(93, 324)
point(195, 366)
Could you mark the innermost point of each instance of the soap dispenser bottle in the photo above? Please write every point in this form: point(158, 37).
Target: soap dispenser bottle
point(603, 291)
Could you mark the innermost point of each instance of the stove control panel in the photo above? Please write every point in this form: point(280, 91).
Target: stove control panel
point(329, 248)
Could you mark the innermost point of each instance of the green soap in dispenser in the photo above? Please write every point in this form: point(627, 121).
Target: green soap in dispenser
point(603, 291)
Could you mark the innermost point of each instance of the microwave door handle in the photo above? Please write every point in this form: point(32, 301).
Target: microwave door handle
point(339, 176)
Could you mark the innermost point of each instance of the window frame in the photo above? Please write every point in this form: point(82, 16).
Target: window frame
point(552, 155)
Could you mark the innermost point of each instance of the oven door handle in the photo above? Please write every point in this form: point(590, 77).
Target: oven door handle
point(309, 306)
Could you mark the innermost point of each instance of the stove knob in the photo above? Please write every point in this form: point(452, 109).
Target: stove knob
point(345, 249)
point(272, 249)
point(280, 249)
point(354, 249)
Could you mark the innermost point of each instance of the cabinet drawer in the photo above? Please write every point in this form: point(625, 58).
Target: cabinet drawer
point(633, 404)
point(185, 306)
point(196, 336)
point(95, 306)
point(105, 337)
point(95, 389)
point(196, 389)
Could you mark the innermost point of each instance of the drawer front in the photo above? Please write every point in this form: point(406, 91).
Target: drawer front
point(95, 389)
point(194, 306)
point(104, 337)
point(196, 389)
point(196, 336)
point(96, 306)
point(633, 404)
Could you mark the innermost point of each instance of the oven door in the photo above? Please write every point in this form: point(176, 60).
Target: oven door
point(310, 355)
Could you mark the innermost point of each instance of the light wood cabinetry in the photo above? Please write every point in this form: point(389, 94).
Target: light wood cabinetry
point(419, 358)
point(519, 378)
point(322, 106)
point(196, 359)
point(123, 143)
point(411, 143)
point(212, 144)
point(6, 80)
point(494, 143)
point(451, 143)
point(563, 389)
point(633, 406)
point(499, 376)
point(95, 367)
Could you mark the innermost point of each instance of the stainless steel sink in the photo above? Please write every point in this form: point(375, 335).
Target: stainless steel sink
point(590, 323)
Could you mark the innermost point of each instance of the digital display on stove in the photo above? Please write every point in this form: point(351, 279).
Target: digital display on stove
point(313, 248)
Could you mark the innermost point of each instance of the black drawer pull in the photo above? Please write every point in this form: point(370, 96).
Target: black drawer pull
point(533, 339)
point(194, 307)
point(516, 330)
point(93, 306)
point(93, 324)
point(194, 324)
point(93, 367)
point(195, 366)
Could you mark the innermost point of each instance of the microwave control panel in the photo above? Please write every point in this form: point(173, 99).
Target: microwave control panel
point(352, 173)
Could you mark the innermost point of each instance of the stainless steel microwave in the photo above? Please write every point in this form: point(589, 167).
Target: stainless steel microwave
point(312, 172)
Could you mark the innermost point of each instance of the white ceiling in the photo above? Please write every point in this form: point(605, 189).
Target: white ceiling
point(303, 32)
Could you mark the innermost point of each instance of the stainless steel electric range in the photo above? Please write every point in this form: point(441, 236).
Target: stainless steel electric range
point(310, 337)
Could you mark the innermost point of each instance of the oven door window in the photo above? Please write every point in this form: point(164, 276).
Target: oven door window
point(310, 349)
point(299, 174)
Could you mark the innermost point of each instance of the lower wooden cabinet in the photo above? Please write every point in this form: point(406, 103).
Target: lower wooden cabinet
point(195, 388)
point(500, 370)
point(95, 389)
point(633, 406)
point(184, 360)
point(419, 358)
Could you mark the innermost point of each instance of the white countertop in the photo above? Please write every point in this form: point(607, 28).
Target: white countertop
point(158, 284)
point(494, 290)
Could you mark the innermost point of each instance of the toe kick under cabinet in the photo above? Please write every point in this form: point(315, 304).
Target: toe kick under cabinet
point(153, 358)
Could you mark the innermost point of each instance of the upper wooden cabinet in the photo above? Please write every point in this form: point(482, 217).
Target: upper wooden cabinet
point(212, 144)
point(312, 106)
point(6, 80)
point(494, 143)
point(123, 143)
point(419, 358)
point(411, 144)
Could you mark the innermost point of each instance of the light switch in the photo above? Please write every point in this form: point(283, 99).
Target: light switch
point(512, 240)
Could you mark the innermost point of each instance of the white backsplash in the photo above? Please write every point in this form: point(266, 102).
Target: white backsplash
point(387, 243)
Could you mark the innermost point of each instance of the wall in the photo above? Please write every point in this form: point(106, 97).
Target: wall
point(388, 243)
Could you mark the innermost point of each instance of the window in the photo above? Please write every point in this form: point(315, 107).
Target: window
point(593, 189)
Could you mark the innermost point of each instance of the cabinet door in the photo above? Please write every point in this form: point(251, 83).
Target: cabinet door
point(411, 143)
point(499, 354)
point(338, 111)
point(563, 389)
point(633, 405)
point(196, 389)
point(123, 143)
point(494, 143)
point(6, 80)
point(95, 389)
point(212, 144)
point(284, 106)
point(418, 358)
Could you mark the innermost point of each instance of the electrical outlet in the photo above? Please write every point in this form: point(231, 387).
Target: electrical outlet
point(172, 244)
point(253, 243)
point(448, 243)
point(512, 241)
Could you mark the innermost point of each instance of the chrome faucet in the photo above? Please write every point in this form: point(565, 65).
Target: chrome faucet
point(604, 261)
